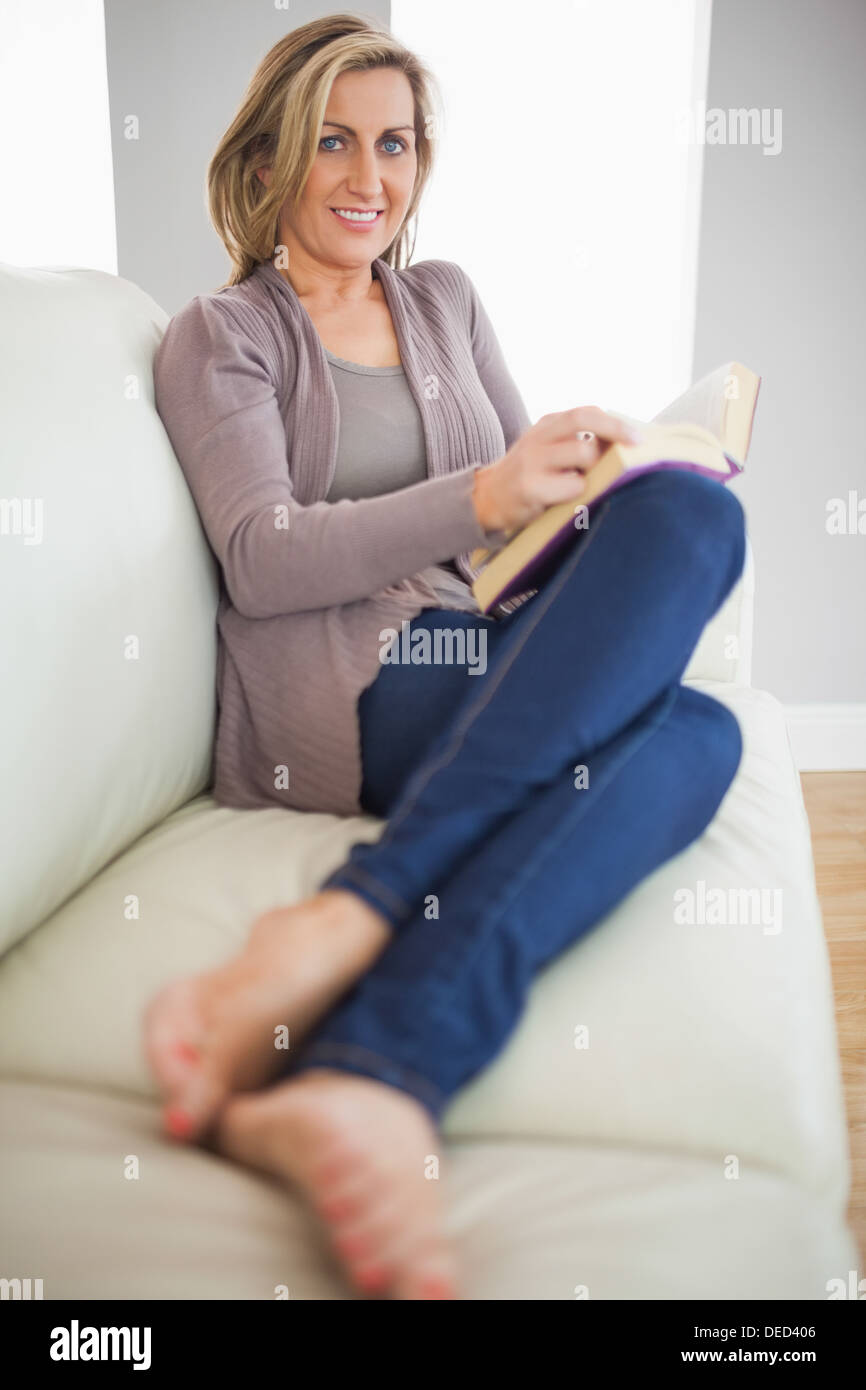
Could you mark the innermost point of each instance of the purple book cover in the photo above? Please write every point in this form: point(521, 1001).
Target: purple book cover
point(536, 569)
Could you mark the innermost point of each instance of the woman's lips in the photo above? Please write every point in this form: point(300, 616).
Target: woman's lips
point(356, 226)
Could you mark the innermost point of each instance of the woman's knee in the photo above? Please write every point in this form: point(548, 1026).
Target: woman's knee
point(704, 518)
point(711, 507)
point(722, 515)
point(717, 740)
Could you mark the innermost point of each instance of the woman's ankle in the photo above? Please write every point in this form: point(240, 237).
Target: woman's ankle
point(349, 911)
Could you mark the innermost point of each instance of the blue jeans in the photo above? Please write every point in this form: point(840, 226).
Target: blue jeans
point(498, 852)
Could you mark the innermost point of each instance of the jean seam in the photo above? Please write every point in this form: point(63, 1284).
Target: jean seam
point(372, 884)
point(444, 998)
point(353, 1052)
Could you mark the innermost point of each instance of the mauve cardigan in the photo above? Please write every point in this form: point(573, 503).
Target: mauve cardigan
point(246, 395)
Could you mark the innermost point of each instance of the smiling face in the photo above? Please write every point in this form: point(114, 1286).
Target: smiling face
point(365, 164)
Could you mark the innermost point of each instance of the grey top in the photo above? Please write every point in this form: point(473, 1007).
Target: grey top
point(381, 448)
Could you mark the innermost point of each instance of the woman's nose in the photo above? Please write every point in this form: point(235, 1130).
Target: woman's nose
point(365, 178)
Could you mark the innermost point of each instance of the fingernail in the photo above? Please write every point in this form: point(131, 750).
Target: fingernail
point(177, 1121)
point(636, 436)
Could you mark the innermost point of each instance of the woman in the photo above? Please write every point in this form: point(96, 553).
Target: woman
point(350, 432)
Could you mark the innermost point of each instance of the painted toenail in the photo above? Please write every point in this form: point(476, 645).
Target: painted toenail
point(330, 1171)
point(336, 1209)
point(436, 1287)
point(177, 1121)
point(351, 1246)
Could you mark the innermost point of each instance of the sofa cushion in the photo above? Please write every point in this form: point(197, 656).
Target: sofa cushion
point(714, 1040)
point(98, 1205)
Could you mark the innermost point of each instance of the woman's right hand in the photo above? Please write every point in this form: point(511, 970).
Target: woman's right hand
point(541, 466)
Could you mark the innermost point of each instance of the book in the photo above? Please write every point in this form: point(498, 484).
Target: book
point(707, 430)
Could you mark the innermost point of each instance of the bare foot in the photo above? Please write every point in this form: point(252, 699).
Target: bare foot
point(359, 1150)
point(209, 1035)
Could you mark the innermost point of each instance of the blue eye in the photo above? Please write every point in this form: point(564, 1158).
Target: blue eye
point(389, 140)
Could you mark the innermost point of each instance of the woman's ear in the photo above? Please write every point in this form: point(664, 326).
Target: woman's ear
point(265, 174)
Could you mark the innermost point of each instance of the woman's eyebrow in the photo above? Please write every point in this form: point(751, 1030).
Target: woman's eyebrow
point(349, 131)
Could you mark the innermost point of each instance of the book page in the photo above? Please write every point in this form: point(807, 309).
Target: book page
point(703, 403)
point(722, 402)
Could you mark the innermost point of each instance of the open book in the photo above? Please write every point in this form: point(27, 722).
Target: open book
point(707, 430)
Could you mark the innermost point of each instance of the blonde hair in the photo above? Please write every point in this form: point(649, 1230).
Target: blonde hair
point(279, 123)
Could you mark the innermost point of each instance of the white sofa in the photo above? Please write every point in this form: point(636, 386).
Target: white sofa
point(695, 1149)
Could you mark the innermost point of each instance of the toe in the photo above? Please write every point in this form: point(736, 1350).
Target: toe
point(373, 1234)
point(391, 1242)
point(189, 1050)
point(172, 1037)
point(433, 1276)
point(199, 1099)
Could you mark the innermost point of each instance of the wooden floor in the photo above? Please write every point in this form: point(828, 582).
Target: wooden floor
point(836, 806)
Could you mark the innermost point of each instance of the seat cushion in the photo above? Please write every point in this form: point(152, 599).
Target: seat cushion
point(530, 1220)
point(708, 1040)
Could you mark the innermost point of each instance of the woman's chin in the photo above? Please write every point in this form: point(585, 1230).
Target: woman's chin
point(360, 252)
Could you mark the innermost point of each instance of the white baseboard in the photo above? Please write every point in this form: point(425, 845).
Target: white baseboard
point(828, 738)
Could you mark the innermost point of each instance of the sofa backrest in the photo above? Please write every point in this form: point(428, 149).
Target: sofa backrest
point(109, 590)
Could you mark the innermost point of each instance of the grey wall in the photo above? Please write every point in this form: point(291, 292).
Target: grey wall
point(781, 281)
point(781, 287)
point(182, 69)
